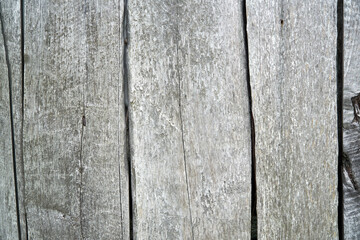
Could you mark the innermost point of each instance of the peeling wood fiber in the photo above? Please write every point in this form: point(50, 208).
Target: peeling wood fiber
point(292, 53)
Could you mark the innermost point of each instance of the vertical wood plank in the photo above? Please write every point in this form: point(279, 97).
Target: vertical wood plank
point(351, 119)
point(160, 201)
point(216, 122)
point(74, 120)
point(11, 16)
point(189, 120)
point(104, 177)
point(8, 213)
point(292, 51)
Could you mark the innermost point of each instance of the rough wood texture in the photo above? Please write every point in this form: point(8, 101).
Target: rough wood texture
point(161, 206)
point(215, 113)
point(8, 215)
point(11, 17)
point(351, 123)
point(74, 120)
point(189, 121)
point(292, 51)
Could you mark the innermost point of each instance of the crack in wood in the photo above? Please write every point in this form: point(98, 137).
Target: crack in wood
point(340, 88)
point(252, 126)
point(128, 158)
point(182, 124)
point(22, 39)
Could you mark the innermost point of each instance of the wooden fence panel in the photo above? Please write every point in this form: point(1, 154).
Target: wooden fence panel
point(292, 52)
point(183, 66)
point(351, 119)
point(74, 130)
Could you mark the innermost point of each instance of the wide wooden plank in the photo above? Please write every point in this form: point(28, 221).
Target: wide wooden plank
point(74, 120)
point(189, 120)
point(292, 52)
point(160, 200)
point(215, 113)
point(8, 213)
point(351, 119)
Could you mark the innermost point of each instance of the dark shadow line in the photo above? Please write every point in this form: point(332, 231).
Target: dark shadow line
point(340, 86)
point(254, 228)
point(128, 158)
point(22, 37)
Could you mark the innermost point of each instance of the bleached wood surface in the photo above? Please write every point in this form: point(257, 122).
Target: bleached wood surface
point(292, 52)
point(215, 115)
point(74, 172)
point(8, 214)
point(190, 146)
point(189, 120)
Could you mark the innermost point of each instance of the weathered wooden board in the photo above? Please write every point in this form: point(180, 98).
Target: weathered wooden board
point(351, 120)
point(11, 16)
point(215, 114)
point(160, 200)
point(189, 120)
point(74, 120)
point(292, 52)
point(8, 214)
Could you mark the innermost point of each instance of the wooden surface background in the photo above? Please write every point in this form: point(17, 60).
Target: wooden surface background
point(133, 119)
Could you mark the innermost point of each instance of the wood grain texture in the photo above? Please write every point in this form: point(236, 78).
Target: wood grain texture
point(292, 52)
point(11, 15)
point(189, 120)
point(351, 125)
point(215, 114)
point(161, 206)
point(74, 120)
point(8, 214)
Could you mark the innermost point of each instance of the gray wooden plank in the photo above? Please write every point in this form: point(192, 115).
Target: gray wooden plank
point(187, 71)
point(105, 192)
point(12, 28)
point(351, 124)
point(8, 214)
point(292, 52)
point(160, 201)
point(215, 113)
point(74, 173)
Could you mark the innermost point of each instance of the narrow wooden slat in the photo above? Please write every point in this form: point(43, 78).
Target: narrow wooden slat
point(292, 52)
point(215, 114)
point(104, 188)
point(8, 213)
point(160, 200)
point(74, 120)
point(351, 122)
point(11, 14)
